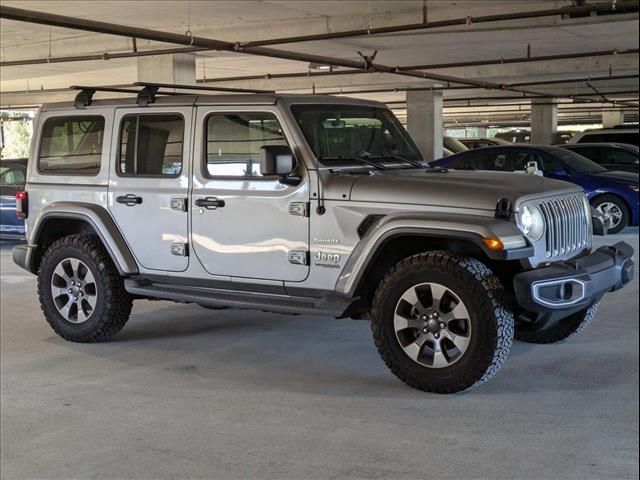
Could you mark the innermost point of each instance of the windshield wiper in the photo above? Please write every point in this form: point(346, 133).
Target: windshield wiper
point(365, 160)
point(398, 157)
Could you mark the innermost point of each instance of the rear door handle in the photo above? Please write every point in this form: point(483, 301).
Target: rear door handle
point(210, 203)
point(129, 199)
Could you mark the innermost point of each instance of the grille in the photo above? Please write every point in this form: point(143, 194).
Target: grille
point(568, 229)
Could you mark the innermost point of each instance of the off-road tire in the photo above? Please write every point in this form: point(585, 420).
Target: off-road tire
point(619, 202)
point(561, 329)
point(490, 316)
point(113, 305)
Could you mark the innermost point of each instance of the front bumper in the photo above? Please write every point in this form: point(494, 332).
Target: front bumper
point(574, 284)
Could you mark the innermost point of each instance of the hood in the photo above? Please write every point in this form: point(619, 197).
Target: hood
point(480, 190)
point(619, 176)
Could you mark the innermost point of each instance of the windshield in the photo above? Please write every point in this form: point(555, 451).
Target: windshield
point(579, 163)
point(13, 175)
point(344, 134)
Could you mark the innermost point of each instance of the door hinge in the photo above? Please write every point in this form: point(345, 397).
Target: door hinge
point(299, 257)
point(300, 209)
point(180, 249)
point(179, 204)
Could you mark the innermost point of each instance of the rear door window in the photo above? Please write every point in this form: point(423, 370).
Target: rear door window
point(151, 145)
point(71, 145)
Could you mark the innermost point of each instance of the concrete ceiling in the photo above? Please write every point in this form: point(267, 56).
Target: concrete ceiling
point(256, 20)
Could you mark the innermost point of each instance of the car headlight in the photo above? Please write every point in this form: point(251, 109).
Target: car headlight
point(531, 222)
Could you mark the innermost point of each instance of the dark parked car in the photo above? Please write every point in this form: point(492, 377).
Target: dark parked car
point(454, 145)
point(515, 136)
point(628, 134)
point(612, 156)
point(12, 180)
point(613, 193)
point(472, 143)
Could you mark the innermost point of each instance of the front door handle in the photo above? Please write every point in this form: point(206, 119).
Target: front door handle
point(129, 199)
point(210, 203)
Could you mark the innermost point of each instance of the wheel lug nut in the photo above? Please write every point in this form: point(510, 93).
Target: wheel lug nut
point(425, 330)
point(437, 335)
point(442, 325)
point(75, 298)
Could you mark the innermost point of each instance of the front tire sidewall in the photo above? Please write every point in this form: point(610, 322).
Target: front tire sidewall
point(476, 361)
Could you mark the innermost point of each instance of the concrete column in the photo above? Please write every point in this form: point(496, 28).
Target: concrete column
point(424, 122)
point(179, 68)
point(482, 132)
point(611, 119)
point(544, 120)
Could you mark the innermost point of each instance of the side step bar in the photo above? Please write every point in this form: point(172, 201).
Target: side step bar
point(334, 306)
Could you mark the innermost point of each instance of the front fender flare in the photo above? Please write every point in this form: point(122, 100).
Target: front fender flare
point(472, 228)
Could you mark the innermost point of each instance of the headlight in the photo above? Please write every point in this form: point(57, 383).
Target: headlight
point(531, 222)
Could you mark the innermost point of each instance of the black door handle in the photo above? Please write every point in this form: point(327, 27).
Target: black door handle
point(210, 203)
point(129, 199)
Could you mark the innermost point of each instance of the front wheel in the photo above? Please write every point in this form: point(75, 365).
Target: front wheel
point(441, 322)
point(614, 211)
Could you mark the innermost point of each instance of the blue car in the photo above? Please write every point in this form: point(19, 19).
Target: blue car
point(613, 193)
point(12, 179)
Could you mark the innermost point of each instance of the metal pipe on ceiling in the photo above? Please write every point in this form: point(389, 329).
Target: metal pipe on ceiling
point(101, 56)
point(194, 41)
point(575, 80)
point(436, 66)
point(610, 7)
point(166, 51)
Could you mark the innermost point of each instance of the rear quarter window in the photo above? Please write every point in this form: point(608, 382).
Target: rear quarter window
point(71, 145)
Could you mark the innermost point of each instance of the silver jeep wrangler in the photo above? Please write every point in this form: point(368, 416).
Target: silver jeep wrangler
point(304, 204)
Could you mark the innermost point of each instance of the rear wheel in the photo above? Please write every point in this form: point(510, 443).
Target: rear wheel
point(614, 211)
point(558, 330)
point(441, 322)
point(81, 292)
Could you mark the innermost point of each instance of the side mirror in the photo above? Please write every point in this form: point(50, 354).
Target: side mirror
point(278, 160)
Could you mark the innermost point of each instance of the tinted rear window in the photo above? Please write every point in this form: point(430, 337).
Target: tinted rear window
point(71, 145)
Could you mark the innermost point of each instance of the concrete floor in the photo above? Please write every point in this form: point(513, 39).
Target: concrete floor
point(185, 392)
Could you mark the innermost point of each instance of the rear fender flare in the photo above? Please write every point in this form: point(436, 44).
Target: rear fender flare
point(102, 224)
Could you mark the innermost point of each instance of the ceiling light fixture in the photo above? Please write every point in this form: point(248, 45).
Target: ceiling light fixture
point(320, 66)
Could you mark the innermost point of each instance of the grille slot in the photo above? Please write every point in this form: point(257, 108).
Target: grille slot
point(567, 225)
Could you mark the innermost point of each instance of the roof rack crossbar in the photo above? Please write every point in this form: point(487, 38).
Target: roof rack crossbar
point(200, 87)
point(84, 98)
